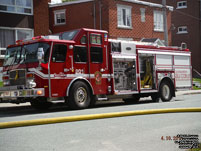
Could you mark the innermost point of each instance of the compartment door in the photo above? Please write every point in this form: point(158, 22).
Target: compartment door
point(98, 62)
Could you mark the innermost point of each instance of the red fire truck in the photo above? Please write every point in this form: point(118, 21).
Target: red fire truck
point(83, 66)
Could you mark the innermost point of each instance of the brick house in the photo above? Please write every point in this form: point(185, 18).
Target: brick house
point(186, 19)
point(21, 20)
point(186, 27)
point(123, 19)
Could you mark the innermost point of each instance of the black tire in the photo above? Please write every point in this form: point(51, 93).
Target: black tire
point(93, 101)
point(155, 97)
point(41, 103)
point(165, 91)
point(134, 99)
point(80, 96)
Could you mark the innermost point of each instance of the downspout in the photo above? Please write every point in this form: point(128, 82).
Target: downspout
point(200, 26)
point(165, 22)
point(94, 13)
point(100, 10)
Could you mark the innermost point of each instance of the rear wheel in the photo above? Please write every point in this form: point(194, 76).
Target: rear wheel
point(166, 91)
point(41, 103)
point(80, 96)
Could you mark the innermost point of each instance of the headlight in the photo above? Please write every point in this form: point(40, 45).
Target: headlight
point(31, 83)
point(30, 80)
point(6, 81)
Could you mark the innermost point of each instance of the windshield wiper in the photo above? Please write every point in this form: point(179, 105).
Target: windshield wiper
point(14, 59)
point(25, 53)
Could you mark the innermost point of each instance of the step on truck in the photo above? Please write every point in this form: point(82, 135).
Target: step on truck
point(82, 66)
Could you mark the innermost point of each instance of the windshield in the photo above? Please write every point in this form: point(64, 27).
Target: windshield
point(26, 54)
point(69, 35)
point(12, 55)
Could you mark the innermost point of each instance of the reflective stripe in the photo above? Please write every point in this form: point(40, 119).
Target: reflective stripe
point(66, 76)
point(165, 52)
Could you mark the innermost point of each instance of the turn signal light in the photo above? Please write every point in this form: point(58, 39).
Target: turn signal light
point(37, 38)
point(30, 75)
point(39, 92)
point(19, 41)
point(5, 78)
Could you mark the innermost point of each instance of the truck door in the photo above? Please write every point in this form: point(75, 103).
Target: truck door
point(57, 65)
point(98, 62)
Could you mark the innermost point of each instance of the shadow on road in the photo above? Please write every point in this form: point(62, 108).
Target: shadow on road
point(20, 110)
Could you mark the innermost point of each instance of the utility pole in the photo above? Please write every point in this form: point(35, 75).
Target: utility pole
point(165, 22)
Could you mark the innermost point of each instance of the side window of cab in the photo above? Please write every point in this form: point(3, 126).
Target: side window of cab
point(59, 53)
point(83, 40)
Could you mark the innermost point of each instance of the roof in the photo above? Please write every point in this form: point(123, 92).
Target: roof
point(153, 40)
point(149, 40)
point(131, 1)
point(148, 4)
point(70, 3)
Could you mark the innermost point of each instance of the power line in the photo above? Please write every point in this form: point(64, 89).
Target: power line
point(187, 15)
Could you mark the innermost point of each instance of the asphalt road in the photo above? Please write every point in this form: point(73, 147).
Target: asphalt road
point(133, 133)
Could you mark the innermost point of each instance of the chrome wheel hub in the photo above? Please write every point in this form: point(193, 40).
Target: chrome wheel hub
point(166, 91)
point(81, 95)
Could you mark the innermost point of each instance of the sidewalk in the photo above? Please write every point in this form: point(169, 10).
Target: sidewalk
point(187, 92)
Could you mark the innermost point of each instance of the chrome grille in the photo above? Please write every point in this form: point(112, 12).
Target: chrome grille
point(17, 77)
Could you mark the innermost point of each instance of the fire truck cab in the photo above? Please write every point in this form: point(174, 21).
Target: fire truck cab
point(83, 66)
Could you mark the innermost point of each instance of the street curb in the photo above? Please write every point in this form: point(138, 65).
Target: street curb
point(188, 92)
point(4, 125)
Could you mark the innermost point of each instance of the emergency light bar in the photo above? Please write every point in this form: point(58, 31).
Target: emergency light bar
point(55, 37)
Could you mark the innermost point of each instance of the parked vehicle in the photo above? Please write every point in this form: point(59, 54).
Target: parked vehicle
point(83, 66)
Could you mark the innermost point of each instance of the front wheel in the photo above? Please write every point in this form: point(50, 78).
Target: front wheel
point(166, 91)
point(80, 96)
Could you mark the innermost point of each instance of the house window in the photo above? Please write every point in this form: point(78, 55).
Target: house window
point(142, 10)
point(124, 16)
point(8, 36)
point(181, 4)
point(60, 17)
point(17, 6)
point(182, 30)
point(158, 21)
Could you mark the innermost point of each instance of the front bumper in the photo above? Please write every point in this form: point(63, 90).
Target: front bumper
point(12, 93)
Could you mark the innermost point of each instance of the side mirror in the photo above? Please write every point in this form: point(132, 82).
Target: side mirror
point(40, 55)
